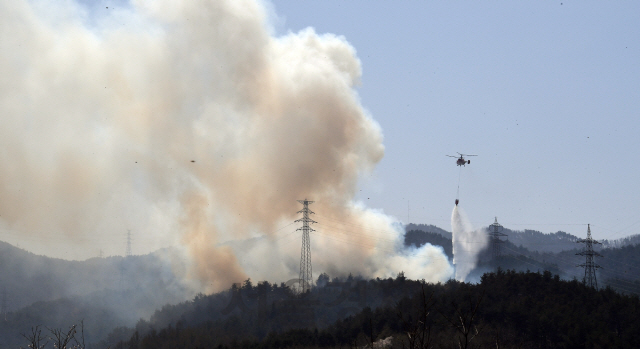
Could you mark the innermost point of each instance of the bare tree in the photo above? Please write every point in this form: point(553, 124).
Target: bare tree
point(34, 338)
point(463, 323)
point(80, 342)
point(62, 339)
point(419, 333)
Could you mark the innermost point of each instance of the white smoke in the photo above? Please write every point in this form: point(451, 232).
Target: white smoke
point(467, 243)
point(190, 124)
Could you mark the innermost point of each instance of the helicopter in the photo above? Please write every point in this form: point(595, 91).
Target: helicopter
point(461, 161)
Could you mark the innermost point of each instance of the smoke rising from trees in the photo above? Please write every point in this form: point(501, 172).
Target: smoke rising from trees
point(191, 124)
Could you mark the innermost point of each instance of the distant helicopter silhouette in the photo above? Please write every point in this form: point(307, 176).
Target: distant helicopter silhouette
point(461, 161)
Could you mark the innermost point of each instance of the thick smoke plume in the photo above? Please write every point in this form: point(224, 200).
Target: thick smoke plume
point(191, 124)
point(467, 243)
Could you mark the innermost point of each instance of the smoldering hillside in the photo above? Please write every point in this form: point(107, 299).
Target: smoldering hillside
point(27, 278)
point(194, 126)
point(104, 292)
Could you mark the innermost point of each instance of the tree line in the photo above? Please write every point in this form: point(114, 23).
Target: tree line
point(506, 309)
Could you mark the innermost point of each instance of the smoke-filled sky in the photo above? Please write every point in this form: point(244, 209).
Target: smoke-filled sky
point(198, 124)
point(193, 125)
point(546, 93)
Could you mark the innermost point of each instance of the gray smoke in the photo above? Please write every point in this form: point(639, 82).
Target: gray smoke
point(191, 124)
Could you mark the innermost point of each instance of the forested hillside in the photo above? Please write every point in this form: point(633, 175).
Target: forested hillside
point(428, 228)
point(506, 309)
point(531, 239)
point(255, 310)
point(418, 238)
point(620, 266)
point(27, 278)
point(119, 297)
point(105, 292)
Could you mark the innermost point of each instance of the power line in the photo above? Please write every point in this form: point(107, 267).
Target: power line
point(618, 282)
point(560, 261)
point(620, 231)
point(614, 282)
point(362, 227)
point(284, 236)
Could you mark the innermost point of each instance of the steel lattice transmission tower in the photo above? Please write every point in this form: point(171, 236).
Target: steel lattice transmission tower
point(306, 278)
point(495, 232)
point(589, 265)
point(123, 263)
point(128, 251)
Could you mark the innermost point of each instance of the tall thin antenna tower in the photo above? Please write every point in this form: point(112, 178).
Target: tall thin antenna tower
point(3, 309)
point(127, 254)
point(306, 278)
point(589, 266)
point(495, 232)
point(128, 251)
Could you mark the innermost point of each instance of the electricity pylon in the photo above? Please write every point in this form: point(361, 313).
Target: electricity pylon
point(495, 232)
point(589, 266)
point(123, 262)
point(306, 279)
point(128, 251)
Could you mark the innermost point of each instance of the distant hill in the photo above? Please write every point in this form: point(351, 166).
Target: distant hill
point(28, 278)
point(626, 241)
point(620, 267)
point(418, 238)
point(555, 252)
point(538, 241)
point(535, 240)
point(106, 292)
point(428, 228)
point(531, 239)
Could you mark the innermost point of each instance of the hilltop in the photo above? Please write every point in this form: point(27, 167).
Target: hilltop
point(105, 292)
point(505, 309)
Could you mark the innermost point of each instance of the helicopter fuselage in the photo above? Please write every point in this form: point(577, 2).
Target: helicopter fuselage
point(461, 161)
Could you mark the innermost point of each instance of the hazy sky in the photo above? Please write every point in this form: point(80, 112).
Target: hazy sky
point(546, 93)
